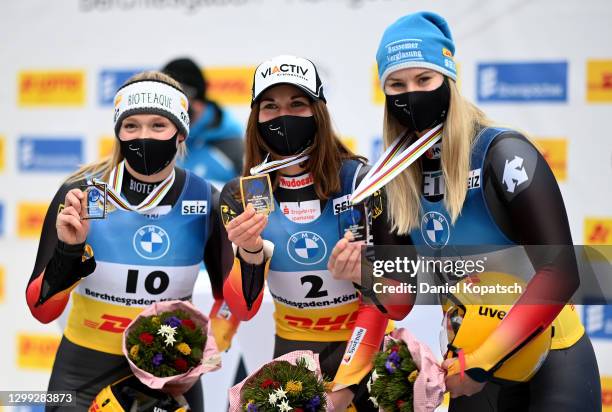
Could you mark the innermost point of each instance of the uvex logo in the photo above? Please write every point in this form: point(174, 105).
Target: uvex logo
point(490, 312)
point(291, 68)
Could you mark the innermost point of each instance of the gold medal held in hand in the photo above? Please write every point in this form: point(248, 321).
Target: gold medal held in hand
point(257, 190)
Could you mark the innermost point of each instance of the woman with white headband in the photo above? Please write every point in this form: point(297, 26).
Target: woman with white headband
point(161, 222)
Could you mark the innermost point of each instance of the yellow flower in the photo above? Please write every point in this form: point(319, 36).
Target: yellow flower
point(251, 401)
point(413, 376)
point(184, 348)
point(134, 352)
point(293, 387)
point(155, 320)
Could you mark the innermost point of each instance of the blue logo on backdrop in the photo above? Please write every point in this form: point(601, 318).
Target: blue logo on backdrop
point(50, 154)
point(377, 148)
point(517, 82)
point(151, 242)
point(306, 248)
point(109, 81)
point(597, 320)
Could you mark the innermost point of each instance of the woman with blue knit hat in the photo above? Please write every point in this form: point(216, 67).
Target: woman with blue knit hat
point(477, 184)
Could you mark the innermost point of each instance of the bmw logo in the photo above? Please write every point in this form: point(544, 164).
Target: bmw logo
point(151, 242)
point(306, 248)
point(435, 230)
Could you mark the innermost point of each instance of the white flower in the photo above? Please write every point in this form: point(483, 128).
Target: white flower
point(369, 384)
point(280, 394)
point(170, 340)
point(166, 330)
point(284, 406)
point(272, 399)
point(311, 365)
point(374, 401)
point(374, 375)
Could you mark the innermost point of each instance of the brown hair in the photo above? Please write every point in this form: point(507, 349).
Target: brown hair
point(326, 154)
point(103, 167)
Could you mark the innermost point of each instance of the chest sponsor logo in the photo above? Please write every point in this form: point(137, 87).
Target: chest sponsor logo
point(518, 82)
point(306, 248)
point(296, 182)
point(301, 212)
point(341, 204)
point(435, 230)
point(151, 242)
point(514, 174)
point(433, 183)
point(434, 151)
point(194, 207)
point(474, 179)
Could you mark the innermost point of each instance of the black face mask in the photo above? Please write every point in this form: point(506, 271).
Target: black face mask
point(149, 156)
point(419, 111)
point(288, 135)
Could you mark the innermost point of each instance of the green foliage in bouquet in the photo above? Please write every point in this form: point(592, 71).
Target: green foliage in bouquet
point(391, 386)
point(167, 344)
point(281, 386)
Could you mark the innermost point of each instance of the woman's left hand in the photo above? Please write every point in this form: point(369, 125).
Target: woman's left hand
point(458, 386)
point(341, 399)
point(345, 260)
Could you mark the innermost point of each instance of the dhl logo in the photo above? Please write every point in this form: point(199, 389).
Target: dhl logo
point(346, 321)
point(554, 152)
point(105, 146)
point(2, 151)
point(36, 351)
point(110, 323)
point(599, 81)
point(598, 231)
point(606, 393)
point(229, 85)
point(30, 218)
point(51, 88)
point(2, 284)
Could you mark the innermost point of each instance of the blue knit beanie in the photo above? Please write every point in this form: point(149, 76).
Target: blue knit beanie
point(420, 39)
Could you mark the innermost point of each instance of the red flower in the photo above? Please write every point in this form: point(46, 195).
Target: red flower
point(395, 348)
point(188, 323)
point(298, 410)
point(276, 385)
point(399, 403)
point(267, 383)
point(146, 338)
point(180, 364)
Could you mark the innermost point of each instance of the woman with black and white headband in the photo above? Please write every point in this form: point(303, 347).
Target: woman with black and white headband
point(161, 223)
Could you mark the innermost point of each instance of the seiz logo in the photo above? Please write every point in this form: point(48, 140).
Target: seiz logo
point(474, 179)
point(346, 321)
point(111, 323)
point(491, 313)
point(285, 68)
point(194, 207)
point(341, 204)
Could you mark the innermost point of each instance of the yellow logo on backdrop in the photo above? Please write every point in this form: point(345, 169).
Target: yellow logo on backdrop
point(105, 146)
point(51, 88)
point(378, 96)
point(229, 85)
point(597, 231)
point(555, 153)
point(2, 284)
point(36, 350)
point(599, 81)
point(2, 151)
point(606, 393)
point(350, 143)
point(30, 217)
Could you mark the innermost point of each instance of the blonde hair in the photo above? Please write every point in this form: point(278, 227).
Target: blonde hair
point(404, 192)
point(103, 167)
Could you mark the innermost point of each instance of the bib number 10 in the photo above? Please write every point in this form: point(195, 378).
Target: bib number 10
point(155, 282)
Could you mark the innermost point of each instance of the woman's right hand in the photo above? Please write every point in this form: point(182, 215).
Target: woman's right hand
point(71, 229)
point(245, 230)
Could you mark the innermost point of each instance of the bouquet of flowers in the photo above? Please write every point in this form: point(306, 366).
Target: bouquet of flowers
point(292, 382)
point(168, 346)
point(406, 376)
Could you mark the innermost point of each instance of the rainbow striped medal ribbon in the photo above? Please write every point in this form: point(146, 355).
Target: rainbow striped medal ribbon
point(150, 202)
point(267, 167)
point(396, 158)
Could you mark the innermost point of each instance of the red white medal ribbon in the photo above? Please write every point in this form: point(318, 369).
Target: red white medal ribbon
point(267, 167)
